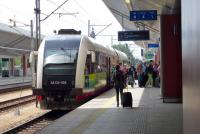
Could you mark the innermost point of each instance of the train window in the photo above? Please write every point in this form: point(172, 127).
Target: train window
point(89, 64)
point(101, 64)
point(60, 56)
point(93, 57)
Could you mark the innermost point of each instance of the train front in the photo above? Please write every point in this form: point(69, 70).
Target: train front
point(56, 71)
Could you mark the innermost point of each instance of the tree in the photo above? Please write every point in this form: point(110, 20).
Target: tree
point(124, 48)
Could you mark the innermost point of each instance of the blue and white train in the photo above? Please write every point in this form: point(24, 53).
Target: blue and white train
point(71, 68)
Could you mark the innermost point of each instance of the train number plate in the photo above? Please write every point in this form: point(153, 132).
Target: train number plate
point(58, 82)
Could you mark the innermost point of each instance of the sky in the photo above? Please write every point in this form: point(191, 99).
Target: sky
point(22, 11)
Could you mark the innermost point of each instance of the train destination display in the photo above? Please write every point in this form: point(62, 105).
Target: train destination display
point(133, 35)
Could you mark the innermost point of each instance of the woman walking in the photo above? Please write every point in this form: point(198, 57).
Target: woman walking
point(119, 82)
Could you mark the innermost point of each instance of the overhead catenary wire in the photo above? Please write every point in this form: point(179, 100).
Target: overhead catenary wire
point(84, 22)
point(50, 1)
point(55, 10)
point(103, 29)
point(88, 14)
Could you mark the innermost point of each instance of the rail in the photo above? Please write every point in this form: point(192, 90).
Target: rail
point(36, 123)
point(10, 104)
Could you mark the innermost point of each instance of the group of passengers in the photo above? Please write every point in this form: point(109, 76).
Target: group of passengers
point(147, 75)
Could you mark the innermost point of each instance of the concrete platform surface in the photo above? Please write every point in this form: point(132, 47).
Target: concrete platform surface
point(14, 80)
point(101, 116)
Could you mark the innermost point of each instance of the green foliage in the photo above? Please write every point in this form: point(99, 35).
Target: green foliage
point(124, 48)
point(18, 61)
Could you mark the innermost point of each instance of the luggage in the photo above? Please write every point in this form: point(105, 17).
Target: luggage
point(127, 99)
point(131, 83)
point(157, 82)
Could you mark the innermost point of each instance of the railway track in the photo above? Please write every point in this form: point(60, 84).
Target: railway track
point(37, 123)
point(10, 104)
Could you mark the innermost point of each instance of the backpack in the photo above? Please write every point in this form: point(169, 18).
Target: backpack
point(119, 78)
point(119, 75)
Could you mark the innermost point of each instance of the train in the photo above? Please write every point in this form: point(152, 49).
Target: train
point(71, 68)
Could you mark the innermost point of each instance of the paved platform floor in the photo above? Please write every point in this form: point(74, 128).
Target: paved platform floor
point(14, 80)
point(101, 116)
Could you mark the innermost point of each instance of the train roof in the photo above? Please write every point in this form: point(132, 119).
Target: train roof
point(122, 56)
point(92, 45)
point(107, 49)
point(100, 47)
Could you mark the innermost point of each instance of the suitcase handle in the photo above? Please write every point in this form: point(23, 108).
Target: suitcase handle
point(125, 89)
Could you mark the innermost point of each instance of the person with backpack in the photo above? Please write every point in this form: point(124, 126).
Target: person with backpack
point(131, 76)
point(119, 82)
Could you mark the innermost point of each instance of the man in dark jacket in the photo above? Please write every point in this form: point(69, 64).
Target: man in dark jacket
point(119, 82)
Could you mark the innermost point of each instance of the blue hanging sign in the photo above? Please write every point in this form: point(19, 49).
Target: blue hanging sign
point(153, 45)
point(138, 15)
point(133, 35)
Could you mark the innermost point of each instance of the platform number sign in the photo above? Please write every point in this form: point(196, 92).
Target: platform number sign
point(153, 45)
point(143, 15)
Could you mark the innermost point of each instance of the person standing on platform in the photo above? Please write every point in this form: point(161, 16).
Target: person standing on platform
point(139, 74)
point(119, 82)
point(149, 72)
point(121, 66)
point(131, 76)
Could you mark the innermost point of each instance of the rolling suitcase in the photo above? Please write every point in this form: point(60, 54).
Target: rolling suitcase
point(127, 99)
point(157, 82)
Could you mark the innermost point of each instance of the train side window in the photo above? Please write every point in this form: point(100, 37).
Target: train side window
point(89, 69)
point(101, 64)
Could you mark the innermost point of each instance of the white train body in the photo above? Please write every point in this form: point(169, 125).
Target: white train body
point(71, 68)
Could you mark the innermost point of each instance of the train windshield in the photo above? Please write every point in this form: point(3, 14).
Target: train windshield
point(60, 55)
point(61, 49)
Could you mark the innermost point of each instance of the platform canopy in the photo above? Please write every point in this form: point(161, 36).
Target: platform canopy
point(121, 10)
point(14, 41)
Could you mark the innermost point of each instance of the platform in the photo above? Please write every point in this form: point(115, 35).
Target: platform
point(101, 116)
point(13, 82)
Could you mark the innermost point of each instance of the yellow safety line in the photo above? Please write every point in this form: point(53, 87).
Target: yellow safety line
point(92, 118)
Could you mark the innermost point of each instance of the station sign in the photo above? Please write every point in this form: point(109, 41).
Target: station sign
point(153, 45)
point(133, 35)
point(149, 55)
point(138, 15)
